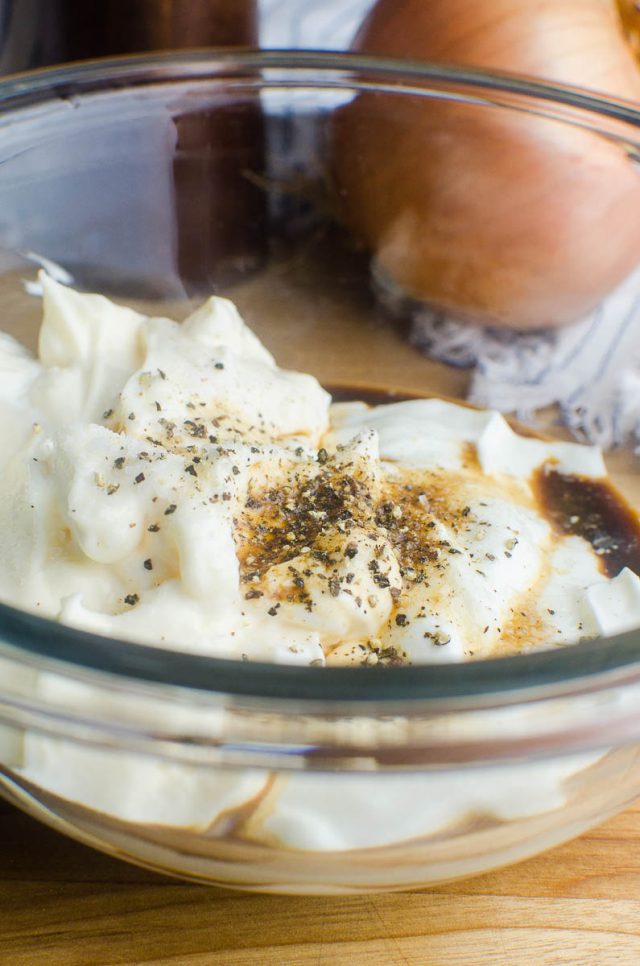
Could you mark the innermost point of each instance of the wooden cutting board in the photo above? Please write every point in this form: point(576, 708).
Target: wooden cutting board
point(62, 904)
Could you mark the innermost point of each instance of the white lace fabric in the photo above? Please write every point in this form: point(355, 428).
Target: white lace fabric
point(590, 370)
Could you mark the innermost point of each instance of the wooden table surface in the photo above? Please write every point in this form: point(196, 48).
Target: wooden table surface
point(61, 904)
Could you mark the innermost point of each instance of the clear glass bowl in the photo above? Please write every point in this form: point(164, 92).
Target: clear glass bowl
point(158, 180)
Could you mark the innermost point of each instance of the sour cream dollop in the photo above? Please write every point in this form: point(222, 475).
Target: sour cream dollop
point(168, 484)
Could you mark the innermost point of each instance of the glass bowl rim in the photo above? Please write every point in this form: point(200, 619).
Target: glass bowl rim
point(20, 89)
point(567, 670)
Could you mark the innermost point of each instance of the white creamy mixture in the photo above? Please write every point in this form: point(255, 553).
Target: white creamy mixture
point(170, 484)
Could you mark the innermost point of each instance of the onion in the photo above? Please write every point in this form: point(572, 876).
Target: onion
point(499, 216)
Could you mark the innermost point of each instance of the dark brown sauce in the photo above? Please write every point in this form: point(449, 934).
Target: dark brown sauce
point(595, 511)
point(369, 394)
point(584, 507)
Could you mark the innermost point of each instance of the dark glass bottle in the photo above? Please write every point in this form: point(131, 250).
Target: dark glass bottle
point(219, 210)
point(37, 33)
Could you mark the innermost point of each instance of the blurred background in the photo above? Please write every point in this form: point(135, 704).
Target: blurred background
point(165, 201)
point(35, 33)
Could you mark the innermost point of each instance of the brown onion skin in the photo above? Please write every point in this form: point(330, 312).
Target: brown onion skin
point(494, 215)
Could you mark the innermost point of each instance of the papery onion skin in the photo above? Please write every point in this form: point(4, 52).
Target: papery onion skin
point(495, 215)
